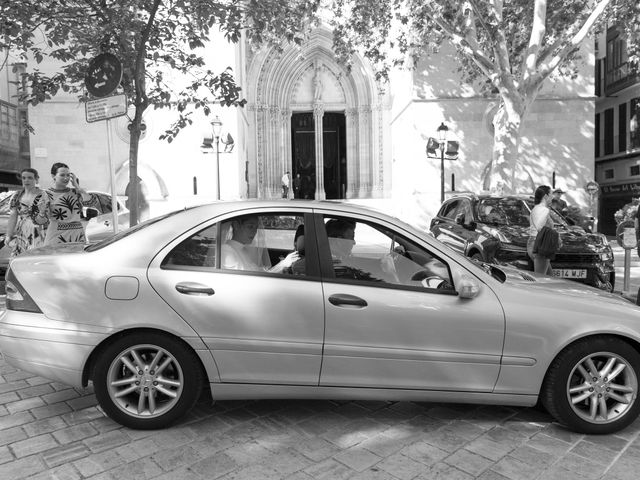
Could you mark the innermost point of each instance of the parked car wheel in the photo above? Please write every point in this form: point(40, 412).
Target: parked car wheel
point(592, 386)
point(147, 380)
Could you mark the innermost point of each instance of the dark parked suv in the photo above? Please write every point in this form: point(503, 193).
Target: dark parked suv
point(496, 229)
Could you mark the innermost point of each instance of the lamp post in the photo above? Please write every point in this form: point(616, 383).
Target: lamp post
point(216, 125)
point(448, 151)
point(442, 137)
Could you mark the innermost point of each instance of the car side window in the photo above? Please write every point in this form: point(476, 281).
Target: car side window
point(373, 254)
point(199, 250)
point(449, 211)
point(464, 209)
point(268, 243)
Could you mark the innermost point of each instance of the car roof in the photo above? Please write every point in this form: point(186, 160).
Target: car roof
point(483, 196)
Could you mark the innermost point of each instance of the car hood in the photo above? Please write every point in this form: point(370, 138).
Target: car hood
point(555, 287)
point(572, 239)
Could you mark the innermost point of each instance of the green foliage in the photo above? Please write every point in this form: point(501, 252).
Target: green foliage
point(492, 38)
point(154, 39)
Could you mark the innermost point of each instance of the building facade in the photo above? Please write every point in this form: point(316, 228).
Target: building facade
point(617, 128)
point(346, 135)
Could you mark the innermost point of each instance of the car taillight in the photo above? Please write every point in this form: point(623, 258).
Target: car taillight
point(17, 297)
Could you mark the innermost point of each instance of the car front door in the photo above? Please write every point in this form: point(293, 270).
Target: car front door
point(394, 319)
point(262, 324)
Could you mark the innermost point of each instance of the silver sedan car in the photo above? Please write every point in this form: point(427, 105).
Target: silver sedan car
point(304, 299)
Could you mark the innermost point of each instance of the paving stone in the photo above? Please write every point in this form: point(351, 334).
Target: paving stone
point(75, 433)
point(424, 453)
point(64, 454)
point(546, 443)
point(489, 448)
point(8, 397)
point(515, 469)
point(106, 441)
point(142, 469)
point(98, 462)
point(18, 375)
point(252, 472)
point(357, 458)
point(75, 417)
point(63, 472)
point(35, 391)
point(182, 456)
point(182, 473)
point(288, 462)
point(51, 410)
point(444, 471)
point(12, 386)
point(446, 439)
point(14, 420)
point(584, 466)
point(33, 381)
point(83, 402)
point(22, 468)
point(33, 445)
point(315, 448)
point(23, 405)
point(533, 456)
point(60, 396)
point(402, 467)
point(382, 445)
point(469, 462)
point(11, 435)
point(627, 467)
point(214, 466)
point(46, 425)
point(329, 470)
point(597, 453)
point(6, 455)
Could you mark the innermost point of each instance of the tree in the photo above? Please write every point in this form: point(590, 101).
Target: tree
point(154, 39)
point(513, 46)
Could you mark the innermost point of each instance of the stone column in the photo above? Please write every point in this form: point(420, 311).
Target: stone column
point(318, 113)
point(351, 117)
point(365, 151)
point(261, 122)
point(377, 166)
point(285, 135)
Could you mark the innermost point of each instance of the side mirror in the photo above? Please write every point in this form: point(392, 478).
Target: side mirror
point(91, 213)
point(460, 219)
point(468, 287)
point(471, 225)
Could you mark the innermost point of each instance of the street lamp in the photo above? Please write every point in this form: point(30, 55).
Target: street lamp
point(207, 143)
point(216, 125)
point(450, 148)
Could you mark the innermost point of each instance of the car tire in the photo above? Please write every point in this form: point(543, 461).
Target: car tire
point(147, 380)
point(594, 403)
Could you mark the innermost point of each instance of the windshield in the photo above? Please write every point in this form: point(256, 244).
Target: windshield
point(509, 211)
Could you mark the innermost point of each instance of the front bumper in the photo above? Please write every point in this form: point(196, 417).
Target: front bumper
point(47, 348)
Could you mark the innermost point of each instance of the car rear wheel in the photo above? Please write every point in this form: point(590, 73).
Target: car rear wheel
point(147, 380)
point(592, 386)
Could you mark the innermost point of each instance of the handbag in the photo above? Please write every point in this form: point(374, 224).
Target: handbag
point(547, 242)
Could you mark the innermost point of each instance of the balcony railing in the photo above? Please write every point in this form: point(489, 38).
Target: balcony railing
point(618, 78)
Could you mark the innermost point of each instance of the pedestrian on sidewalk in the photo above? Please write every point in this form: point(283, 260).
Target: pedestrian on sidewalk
point(285, 185)
point(61, 207)
point(540, 218)
point(23, 233)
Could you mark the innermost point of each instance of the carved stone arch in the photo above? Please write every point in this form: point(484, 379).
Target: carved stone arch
point(275, 80)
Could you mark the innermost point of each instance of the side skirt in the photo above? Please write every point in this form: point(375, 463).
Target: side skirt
point(239, 391)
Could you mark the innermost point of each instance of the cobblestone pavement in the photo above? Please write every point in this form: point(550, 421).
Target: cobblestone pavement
point(48, 430)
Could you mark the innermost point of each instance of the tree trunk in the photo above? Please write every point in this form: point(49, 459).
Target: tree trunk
point(506, 141)
point(134, 140)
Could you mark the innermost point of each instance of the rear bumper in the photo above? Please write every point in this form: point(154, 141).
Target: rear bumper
point(50, 349)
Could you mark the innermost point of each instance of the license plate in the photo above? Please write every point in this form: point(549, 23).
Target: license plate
point(570, 272)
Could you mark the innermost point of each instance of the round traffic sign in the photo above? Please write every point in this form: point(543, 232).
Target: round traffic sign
point(592, 187)
point(103, 75)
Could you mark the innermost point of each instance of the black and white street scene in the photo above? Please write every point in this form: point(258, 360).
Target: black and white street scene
point(319, 239)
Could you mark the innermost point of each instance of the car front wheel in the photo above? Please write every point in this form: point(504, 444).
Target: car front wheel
point(592, 386)
point(147, 380)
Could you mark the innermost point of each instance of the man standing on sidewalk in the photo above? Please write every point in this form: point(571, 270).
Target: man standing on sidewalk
point(285, 185)
point(636, 224)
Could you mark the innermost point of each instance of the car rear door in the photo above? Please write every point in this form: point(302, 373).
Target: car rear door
point(392, 328)
point(261, 327)
point(447, 230)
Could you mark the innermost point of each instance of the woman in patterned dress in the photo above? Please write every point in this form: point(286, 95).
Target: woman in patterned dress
point(22, 232)
point(61, 206)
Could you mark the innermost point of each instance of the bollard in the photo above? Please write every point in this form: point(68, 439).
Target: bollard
point(627, 270)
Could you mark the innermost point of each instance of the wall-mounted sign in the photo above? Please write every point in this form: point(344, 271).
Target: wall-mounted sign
point(105, 108)
point(103, 75)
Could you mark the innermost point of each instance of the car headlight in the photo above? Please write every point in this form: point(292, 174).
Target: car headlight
point(499, 235)
point(606, 256)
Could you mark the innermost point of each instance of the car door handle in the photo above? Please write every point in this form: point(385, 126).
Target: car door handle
point(194, 289)
point(346, 299)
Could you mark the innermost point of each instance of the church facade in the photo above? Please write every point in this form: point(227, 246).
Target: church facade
point(344, 134)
